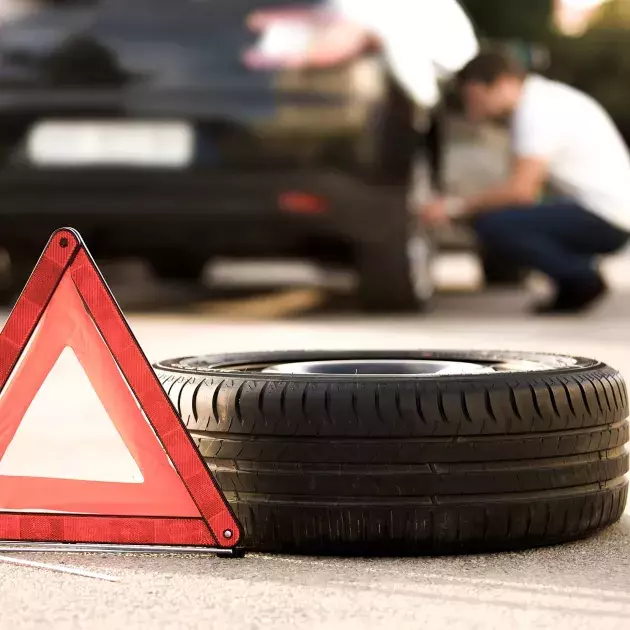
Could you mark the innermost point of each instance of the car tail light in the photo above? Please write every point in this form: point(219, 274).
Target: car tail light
point(302, 203)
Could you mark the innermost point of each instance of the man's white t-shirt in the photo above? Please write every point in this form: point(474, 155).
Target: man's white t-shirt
point(585, 153)
point(424, 41)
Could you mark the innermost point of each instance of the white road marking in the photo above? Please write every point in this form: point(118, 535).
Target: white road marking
point(58, 568)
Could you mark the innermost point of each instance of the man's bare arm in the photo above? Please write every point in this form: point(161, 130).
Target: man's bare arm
point(523, 187)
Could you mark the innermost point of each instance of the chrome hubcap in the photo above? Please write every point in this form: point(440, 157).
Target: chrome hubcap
point(419, 253)
point(380, 368)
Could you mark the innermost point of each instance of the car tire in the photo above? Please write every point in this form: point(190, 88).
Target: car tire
point(500, 273)
point(319, 455)
point(396, 275)
point(175, 267)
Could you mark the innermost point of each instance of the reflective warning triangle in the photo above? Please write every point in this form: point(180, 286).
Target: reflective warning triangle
point(66, 309)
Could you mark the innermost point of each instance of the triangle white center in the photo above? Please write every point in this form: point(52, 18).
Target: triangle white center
point(66, 433)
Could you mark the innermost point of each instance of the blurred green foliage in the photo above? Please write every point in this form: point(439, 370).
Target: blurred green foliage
point(597, 62)
point(614, 13)
point(510, 19)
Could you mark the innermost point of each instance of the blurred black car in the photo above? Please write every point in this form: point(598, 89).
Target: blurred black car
point(138, 124)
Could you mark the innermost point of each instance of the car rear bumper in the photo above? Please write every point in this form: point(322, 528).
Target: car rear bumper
point(230, 213)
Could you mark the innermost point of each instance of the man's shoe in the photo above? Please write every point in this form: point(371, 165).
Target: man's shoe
point(574, 298)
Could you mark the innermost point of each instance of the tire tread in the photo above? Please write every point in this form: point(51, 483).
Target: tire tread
point(436, 465)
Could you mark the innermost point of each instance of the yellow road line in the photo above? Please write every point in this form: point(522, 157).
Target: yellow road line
point(273, 306)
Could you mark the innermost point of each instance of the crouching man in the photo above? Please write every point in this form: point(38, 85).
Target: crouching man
point(561, 138)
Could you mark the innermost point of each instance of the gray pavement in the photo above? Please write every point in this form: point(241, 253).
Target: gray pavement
point(581, 585)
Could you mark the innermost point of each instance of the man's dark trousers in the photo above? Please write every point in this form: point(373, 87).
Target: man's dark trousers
point(560, 238)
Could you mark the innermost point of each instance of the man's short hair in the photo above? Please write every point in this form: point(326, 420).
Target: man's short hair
point(488, 67)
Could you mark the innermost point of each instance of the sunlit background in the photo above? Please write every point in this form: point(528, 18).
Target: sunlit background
point(140, 120)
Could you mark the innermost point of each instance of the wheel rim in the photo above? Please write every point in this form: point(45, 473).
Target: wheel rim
point(419, 254)
point(348, 365)
point(393, 367)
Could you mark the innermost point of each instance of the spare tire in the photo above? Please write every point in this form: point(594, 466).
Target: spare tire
point(408, 452)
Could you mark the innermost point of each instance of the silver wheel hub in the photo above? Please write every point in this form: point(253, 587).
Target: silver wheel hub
point(385, 367)
point(419, 254)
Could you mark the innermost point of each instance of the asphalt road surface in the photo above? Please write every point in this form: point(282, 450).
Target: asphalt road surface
point(577, 586)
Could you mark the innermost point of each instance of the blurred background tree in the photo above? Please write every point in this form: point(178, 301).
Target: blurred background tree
point(595, 59)
point(614, 13)
point(505, 19)
point(598, 61)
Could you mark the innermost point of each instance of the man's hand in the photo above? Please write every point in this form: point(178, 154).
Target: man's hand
point(441, 211)
point(435, 213)
point(522, 188)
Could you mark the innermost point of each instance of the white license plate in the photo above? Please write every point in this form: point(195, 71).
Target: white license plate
point(128, 144)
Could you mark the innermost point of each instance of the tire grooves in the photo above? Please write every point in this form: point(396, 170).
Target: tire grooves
point(268, 524)
point(398, 404)
point(560, 433)
point(303, 403)
point(261, 400)
point(179, 400)
point(600, 383)
point(617, 433)
point(457, 480)
point(419, 410)
point(486, 525)
point(605, 385)
point(353, 404)
point(377, 406)
point(584, 397)
point(601, 517)
point(611, 382)
point(515, 408)
point(195, 410)
point(528, 529)
point(581, 518)
point(375, 455)
point(458, 408)
point(620, 388)
point(489, 409)
point(599, 400)
point(170, 389)
point(624, 392)
point(441, 409)
point(544, 497)
point(548, 520)
point(498, 466)
point(554, 404)
point(237, 403)
point(569, 398)
point(283, 399)
point(327, 404)
point(215, 401)
point(535, 401)
point(565, 521)
point(465, 407)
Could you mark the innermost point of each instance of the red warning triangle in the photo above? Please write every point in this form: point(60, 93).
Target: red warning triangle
point(67, 307)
